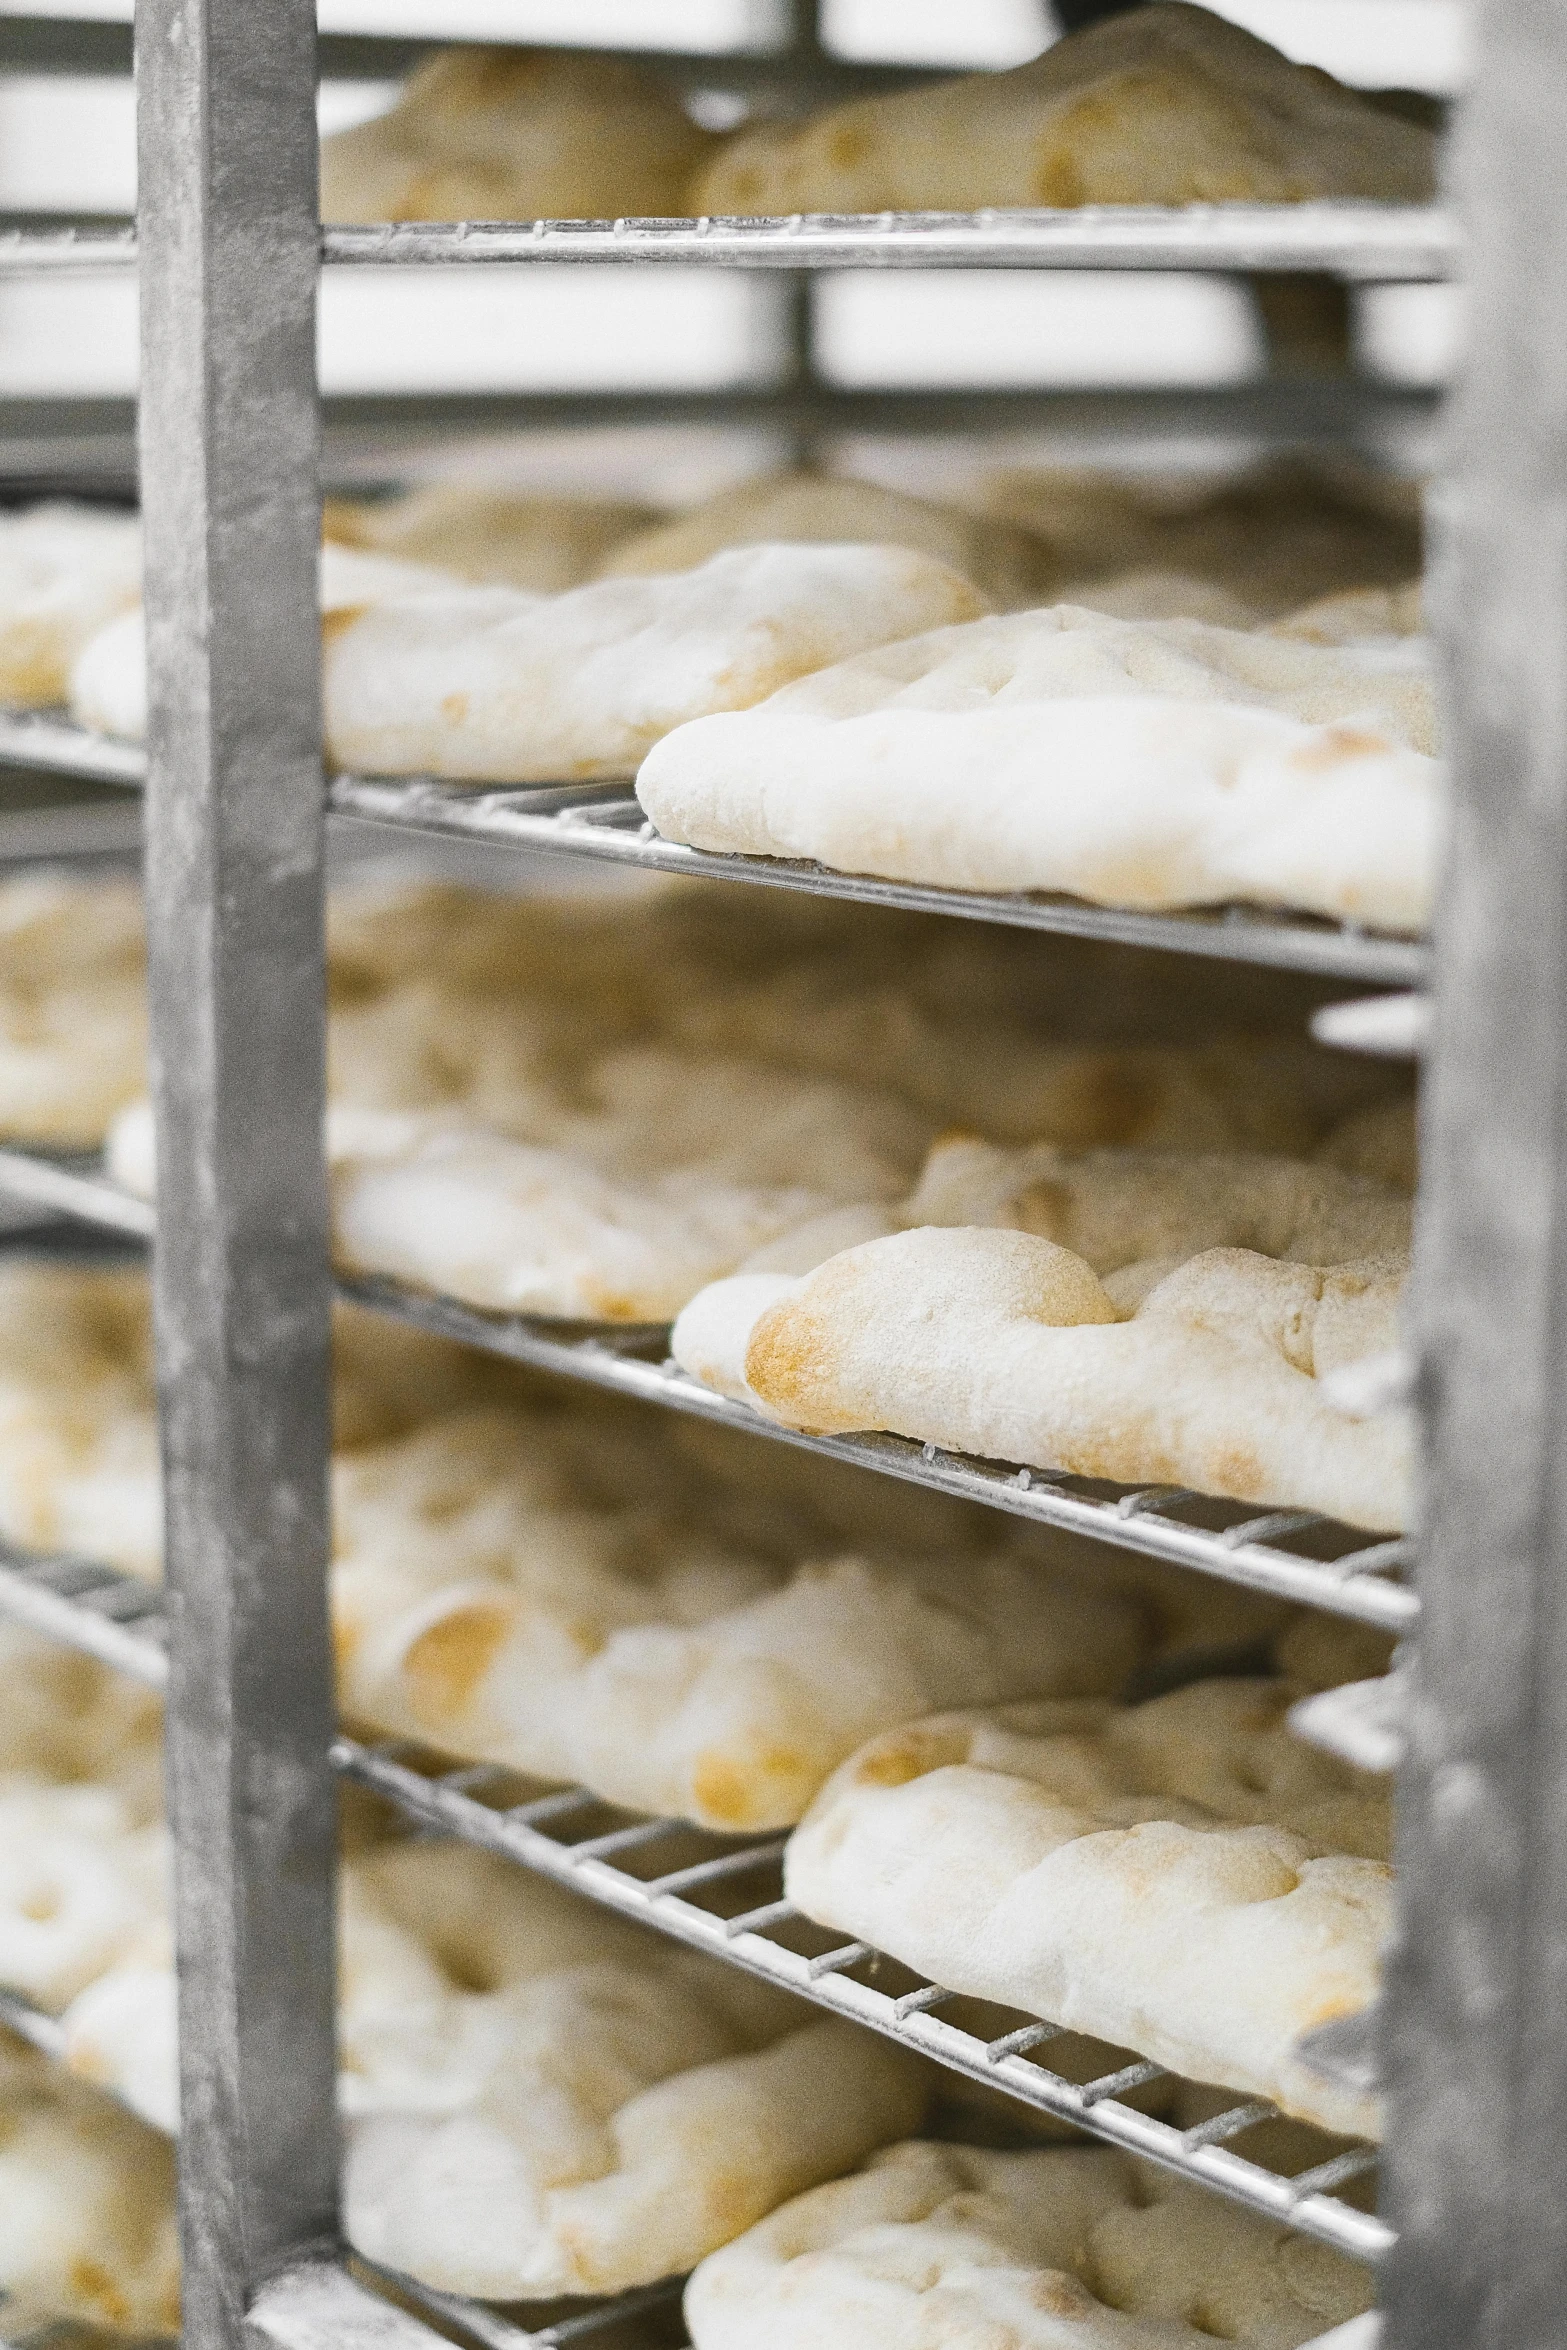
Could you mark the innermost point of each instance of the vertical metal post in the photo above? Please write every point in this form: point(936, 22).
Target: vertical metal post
point(229, 450)
point(1477, 2011)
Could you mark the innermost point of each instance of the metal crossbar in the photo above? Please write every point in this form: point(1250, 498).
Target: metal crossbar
point(1366, 243)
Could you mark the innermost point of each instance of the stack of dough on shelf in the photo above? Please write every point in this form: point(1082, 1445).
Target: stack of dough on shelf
point(1054, 1858)
point(1240, 549)
point(1167, 104)
point(73, 1015)
point(591, 1107)
point(66, 571)
point(931, 2245)
point(87, 2230)
point(516, 134)
point(490, 536)
point(1010, 566)
point(1139, 763)
point(79, 1469)
point(1149, 1316)
point(575, 1591)
point(108, 679)
point(538, 2098)
point(1172, 105)
point(563, 1594)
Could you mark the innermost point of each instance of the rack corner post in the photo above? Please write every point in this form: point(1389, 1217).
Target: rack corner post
point(229, 434)
point(1477, 2005)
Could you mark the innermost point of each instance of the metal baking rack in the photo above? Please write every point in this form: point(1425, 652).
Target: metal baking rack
point(229, 249)
point(1340, 1569)
point(606, 822)
point(571, 1836)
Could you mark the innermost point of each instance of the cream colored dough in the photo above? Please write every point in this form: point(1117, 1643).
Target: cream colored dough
point(486, 1600)
point(516, 134)
point(1004, 563)
point(1168, 105)
point(1181, 1878)
point(540, 2099)
point(490, 537)
point(1117, 1208)
point(620, 1211)
point(1145, 764)
point(1067, 2249)
point(87, 2228)
point(1276, 537)
point(80, 1880)
point(1007, 1346)
point(79, 1467)
point(490, 685)
point(108, 680)
point(65, 571)
point(72, 1007)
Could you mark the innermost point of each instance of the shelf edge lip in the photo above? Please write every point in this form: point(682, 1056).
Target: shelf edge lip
point(1368, 242)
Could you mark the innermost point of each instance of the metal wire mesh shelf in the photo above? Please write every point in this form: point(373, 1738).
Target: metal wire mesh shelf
point(1370, 243)
point(666, 1873)
point(1334, 1567)
point(605, 822)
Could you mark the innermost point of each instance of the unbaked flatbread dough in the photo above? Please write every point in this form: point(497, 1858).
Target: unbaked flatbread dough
point(1163, 105)
point(1005, 1345)
point(490, 537)
point(1142, 764)
point(489, 1598)
point(1004, 563)
point(491, 685)
point(65, 571)
point(1182, 1878)
point(516, 134)
point(942, 2244)
point(87, 2227)
point(108, 680)
point(1275, 537)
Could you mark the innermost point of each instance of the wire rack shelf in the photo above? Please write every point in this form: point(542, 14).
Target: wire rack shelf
point(605, 822)
point(1340, 1569)
point(664, 1872)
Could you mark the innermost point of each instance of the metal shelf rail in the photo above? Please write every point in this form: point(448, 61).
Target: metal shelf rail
point(572, 1837)
point(1340, 1569)
point(1371, 244)
point(605, 822)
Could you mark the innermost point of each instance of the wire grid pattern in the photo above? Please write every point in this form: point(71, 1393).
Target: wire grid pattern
point(1342, 1570)
point(606, 822)
point(571, 1836)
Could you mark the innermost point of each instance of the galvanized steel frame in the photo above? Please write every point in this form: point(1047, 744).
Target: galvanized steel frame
point(1476, 2003)
point(234, 846)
